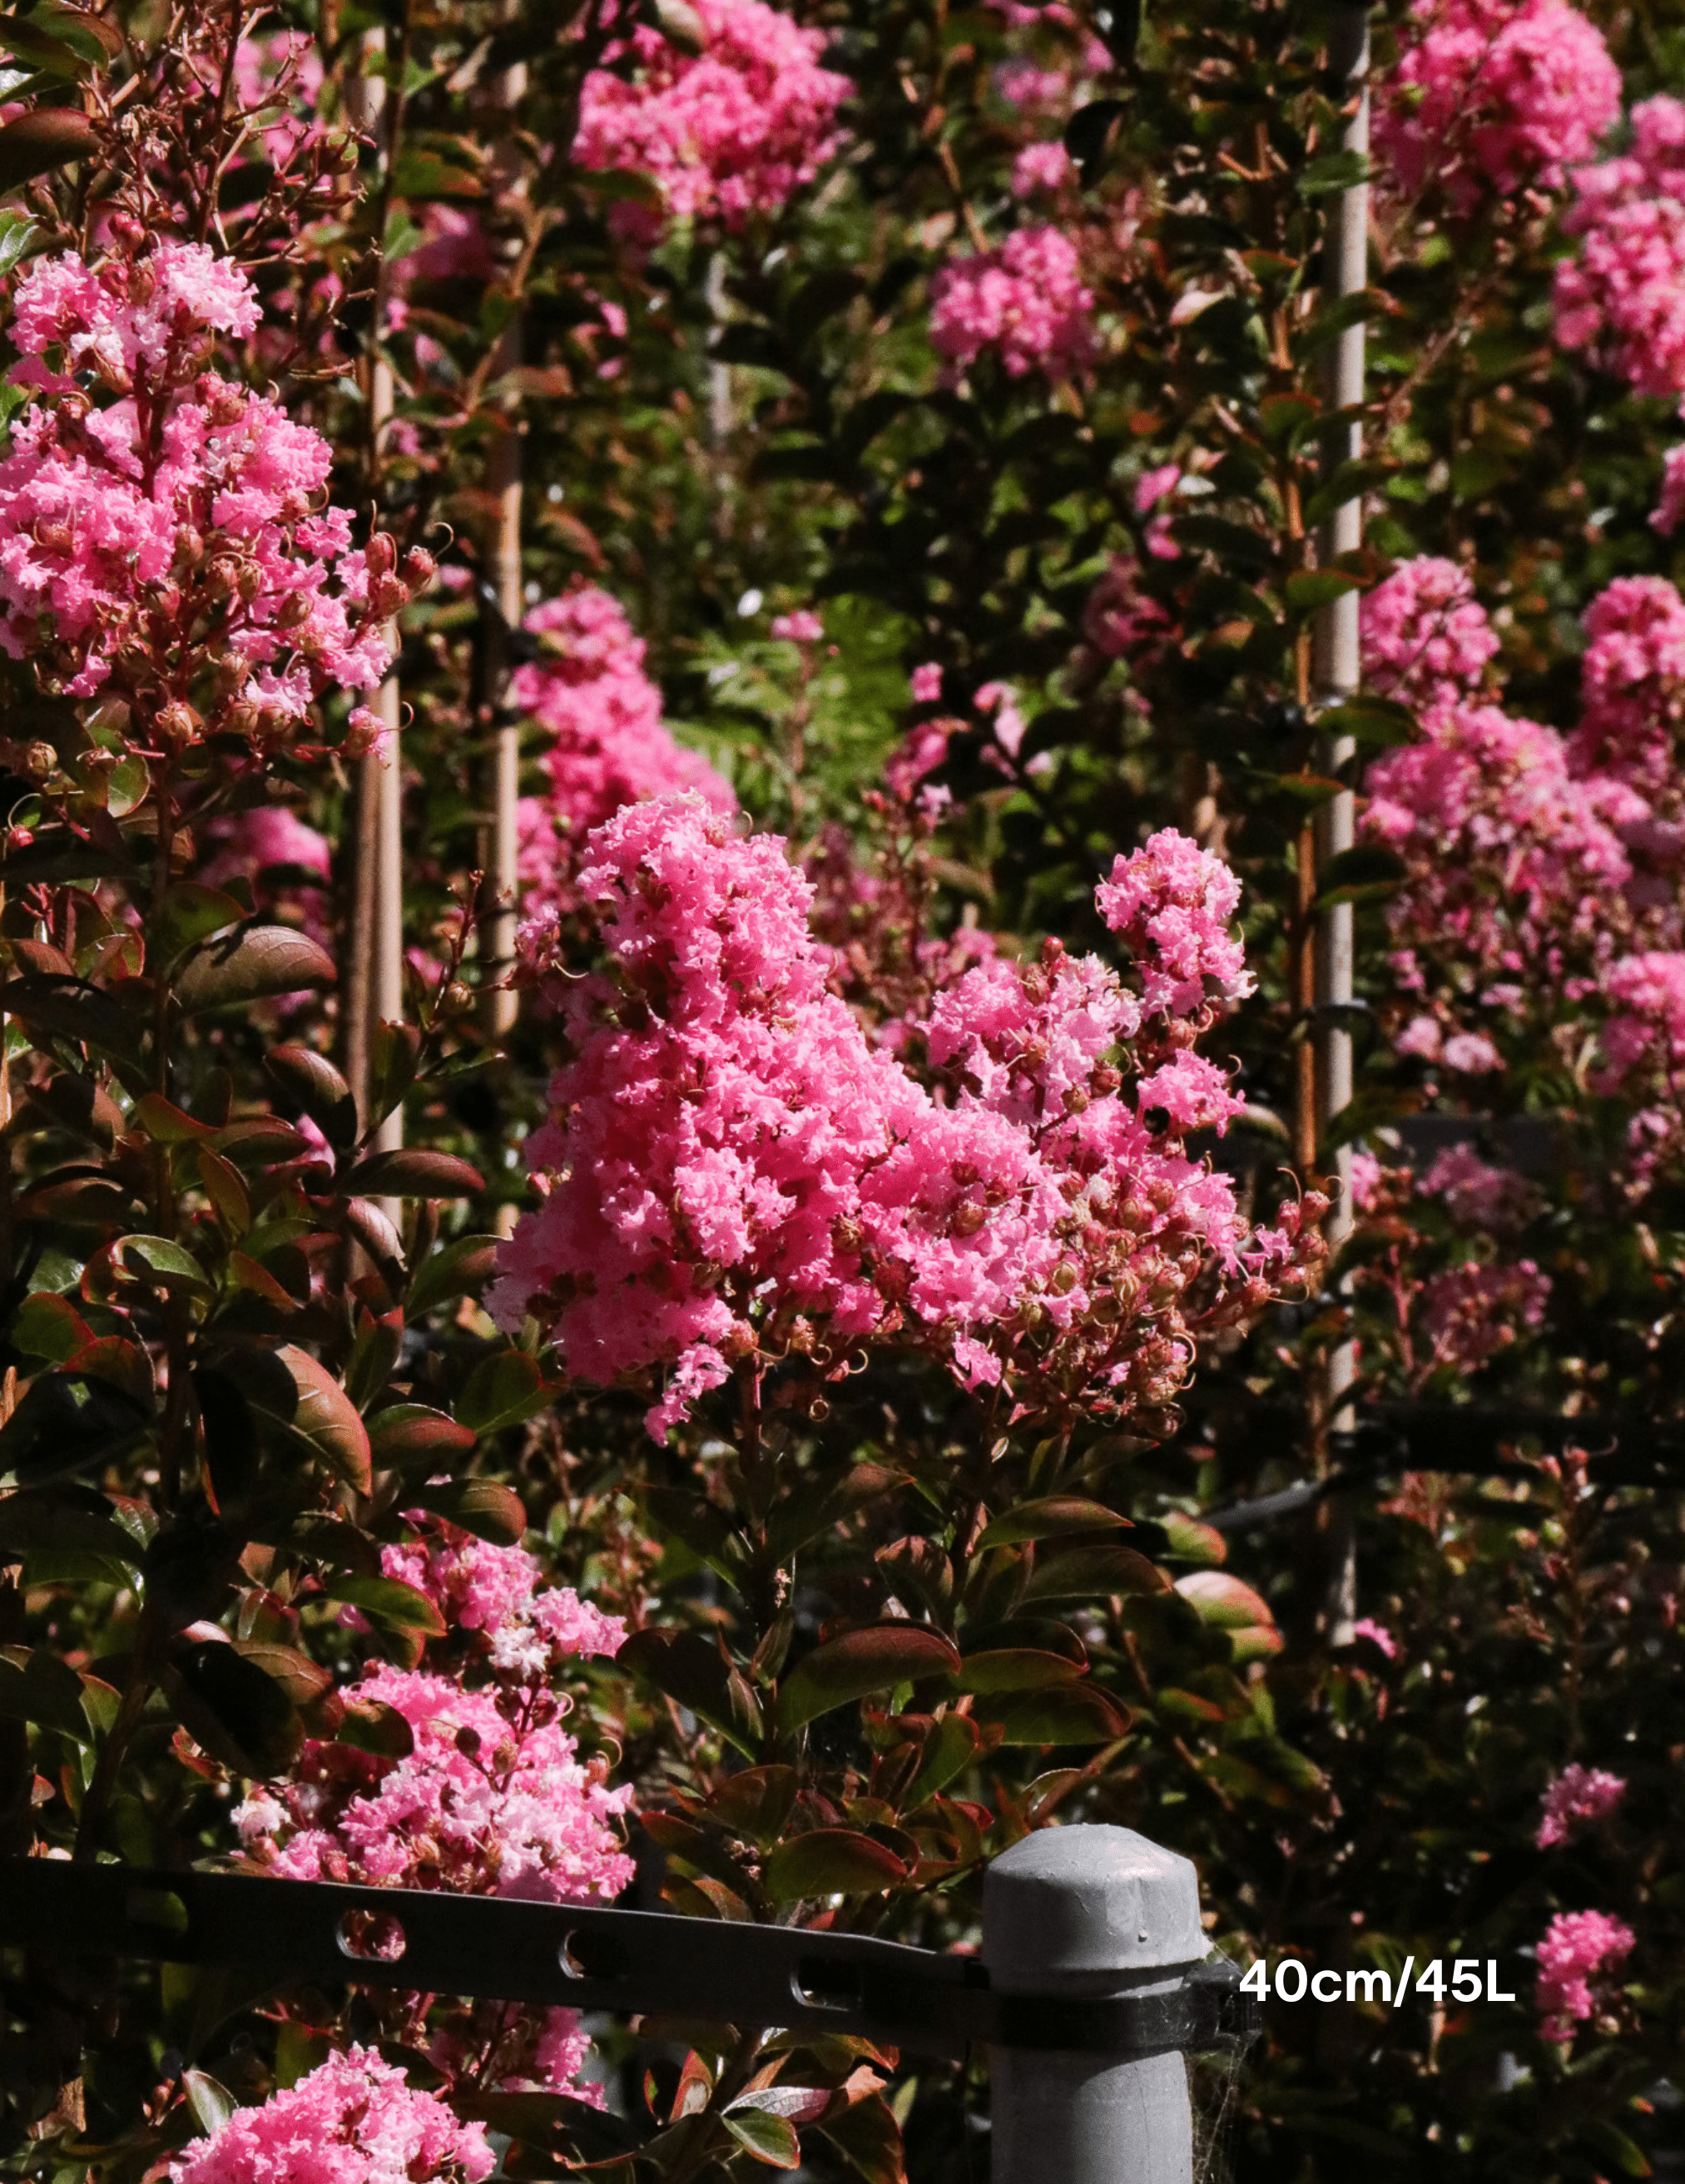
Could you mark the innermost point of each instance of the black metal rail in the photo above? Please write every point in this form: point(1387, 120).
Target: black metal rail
point(590, 1956)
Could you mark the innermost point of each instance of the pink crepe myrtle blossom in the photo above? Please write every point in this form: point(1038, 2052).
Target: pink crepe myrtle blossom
point(926, 682)
point(355, 2119)
point(735, 1173)
point(492, 1800)
point(1632, 684)
point(1024, 301)
point(1576, 1946)
point(1378, 1635)
point(1041, 167)
point(1621, 297)
point(1477, 1194)
point(734, 129)
point(1578, 1794)
point(1491, 97)
point(1471, 1312)
point(609, 747)
point(1122, 621)
point(528, 1633)
point(152, 509)
point(1424, 636)
point(804, 626)
point(1671, 504)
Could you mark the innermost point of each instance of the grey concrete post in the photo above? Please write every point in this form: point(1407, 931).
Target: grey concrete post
point(1089, 1912)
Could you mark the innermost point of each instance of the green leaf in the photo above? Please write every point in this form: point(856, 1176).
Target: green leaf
point(254, 964)
point(1046, 1519)
point(695, 1524)
point(1092, 1572)
point(831, 1862)
point(33, 1524)
point(187, 914)
point(66, 1008)
point(237, 1714)
point(211, 2102)
point(770, 2139)
point(868, 2137)
point(1350, 480)
point(387, 1600)
point(319, 1089)
point(1307, 589)
point(49, 1326)
point(757, 1803)
point(949, 1750)
point(462, 1268)
point(412, 1433)
point(15, 234)
point(415, 1172)
point(304, 1398)
point(1376, 721)
point(502, 1390)
point(1368, 874)
point(393, 1054)
point(479, 1506)
point(1190, 1541)
point(369, 1725)
point(686, 1667)
point(1070, 1714)
point(38, 1687)
point(1334, 170)
point(1017, 1668)
point(861, 1662)
point(169, 1266)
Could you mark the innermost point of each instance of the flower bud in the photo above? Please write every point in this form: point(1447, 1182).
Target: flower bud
point(381, 555)
point(249, 582)
point(41, 761)
point(294, 609)
point(178, 723)
point(420, 569)
point(389, 596)
point(968, 1219)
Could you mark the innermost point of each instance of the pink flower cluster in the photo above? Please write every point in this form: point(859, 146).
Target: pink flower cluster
point(181, 521)
point(1493, 97)
point(1621, 297)
point(734, 1173)
point(1025, 301)
point(492, 1800)
point(734, 129)
point(528, 1633)
point(1471, 1312)
point(589, 690)
point(1425, 637)
point(1632, 683)
point(1576, 1946)
point(355, 2119)
point(1578, 1794)
point(1478, 1195)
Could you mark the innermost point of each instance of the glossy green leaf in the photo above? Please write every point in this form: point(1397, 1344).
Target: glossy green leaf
point(769, 2139)
point(1092, 1572)
point(461, 1268)
point(502, 1390)
point(413, 1433)
point(254, 964)
point(859, 1663)
point(1046, 1519)
point(387, 1600)
point(479, 1506)
point(831, 1862)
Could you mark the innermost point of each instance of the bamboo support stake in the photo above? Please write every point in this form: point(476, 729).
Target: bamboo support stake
point(374, 989)
point(503, 482)
point(1337, 671)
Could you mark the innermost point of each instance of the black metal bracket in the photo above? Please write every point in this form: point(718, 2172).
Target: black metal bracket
point(590, 1956)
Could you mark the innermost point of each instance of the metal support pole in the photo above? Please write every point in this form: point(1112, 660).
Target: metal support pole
point(1090, 1912)
point(1337, 671)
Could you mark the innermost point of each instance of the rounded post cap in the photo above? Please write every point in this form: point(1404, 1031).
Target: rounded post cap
point(1067, 1903)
